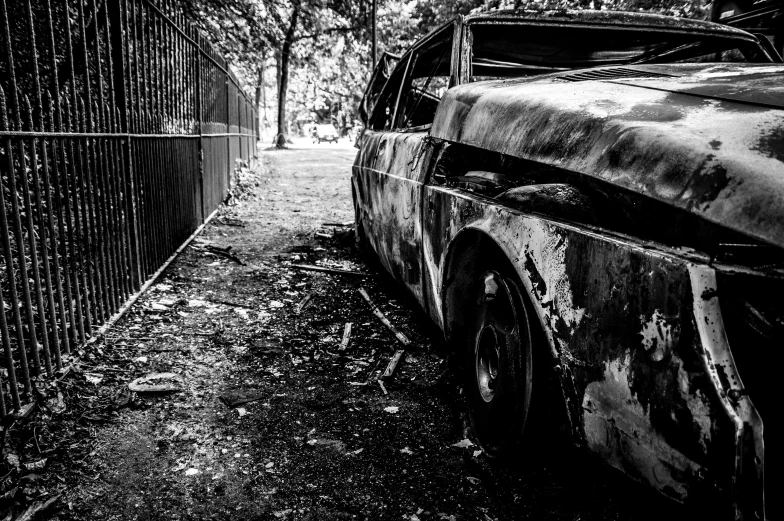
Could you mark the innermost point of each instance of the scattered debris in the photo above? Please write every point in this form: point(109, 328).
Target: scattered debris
point(463, 444)
point(346, 336)
point(310, 267)
point(157, 383)
point(94, 379)
point(303, 303)
point(383, 389)
point(234, 398)
point(35, 466)
point(400, 336)
point(230, 303)
point(335, 445)
point(392, 409)
point(192, 472)
point(38, 509)
point(225, 252)
point(390, 370)
point(27, 410)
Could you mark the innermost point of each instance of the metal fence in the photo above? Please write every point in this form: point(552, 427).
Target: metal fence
point(120, 126)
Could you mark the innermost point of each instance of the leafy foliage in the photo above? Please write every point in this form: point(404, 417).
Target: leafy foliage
point(329, 56)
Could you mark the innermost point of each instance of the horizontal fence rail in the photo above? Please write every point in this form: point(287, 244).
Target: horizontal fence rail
point(120, 126)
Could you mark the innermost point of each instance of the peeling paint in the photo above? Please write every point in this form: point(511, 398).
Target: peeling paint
point(659, 334)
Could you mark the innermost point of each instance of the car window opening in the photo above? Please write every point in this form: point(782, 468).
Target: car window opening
point(519, 50)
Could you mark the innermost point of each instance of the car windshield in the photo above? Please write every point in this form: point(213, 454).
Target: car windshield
point(520, 49)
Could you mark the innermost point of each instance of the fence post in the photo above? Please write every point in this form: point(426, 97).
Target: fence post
point(228, 132)
point(199, 122)
point(117, 27)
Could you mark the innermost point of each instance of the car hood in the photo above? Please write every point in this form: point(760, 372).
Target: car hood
point(705, 138)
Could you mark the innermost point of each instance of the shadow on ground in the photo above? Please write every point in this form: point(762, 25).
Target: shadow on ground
point(318, 439)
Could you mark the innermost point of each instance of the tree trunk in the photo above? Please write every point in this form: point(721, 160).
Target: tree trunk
point(264, 120)
point(259, 96)
point(285, 58)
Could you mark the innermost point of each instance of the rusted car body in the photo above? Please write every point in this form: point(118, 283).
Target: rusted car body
point(625, 172)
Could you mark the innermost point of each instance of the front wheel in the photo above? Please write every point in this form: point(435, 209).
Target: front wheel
point(498, 364)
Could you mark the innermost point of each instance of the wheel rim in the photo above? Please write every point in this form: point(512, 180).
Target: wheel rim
point(486, 362)
point(501, 364)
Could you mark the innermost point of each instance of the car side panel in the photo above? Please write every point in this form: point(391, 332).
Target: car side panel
point(620, 322)
point(389, 174)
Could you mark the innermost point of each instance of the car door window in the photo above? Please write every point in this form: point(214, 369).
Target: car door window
point(428, 77)
point(384, 109)
point(411, 95)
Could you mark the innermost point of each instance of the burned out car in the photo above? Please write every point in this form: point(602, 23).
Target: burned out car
point(591, 206)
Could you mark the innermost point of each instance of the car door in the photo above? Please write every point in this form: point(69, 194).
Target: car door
point(391, 167)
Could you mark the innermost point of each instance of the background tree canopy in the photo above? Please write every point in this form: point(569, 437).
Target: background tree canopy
point(315, 54)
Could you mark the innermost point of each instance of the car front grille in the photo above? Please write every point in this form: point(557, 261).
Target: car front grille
point(753, 312)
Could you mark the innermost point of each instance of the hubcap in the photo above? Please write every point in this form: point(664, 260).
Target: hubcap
point(487, 360)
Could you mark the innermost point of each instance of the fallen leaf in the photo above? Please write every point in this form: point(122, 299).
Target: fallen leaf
point(391, 409)
point(191, 472)
point(463, 444)
point(477, 453)
point(93, 379)
point(276, 304)
point(156, 383)
point(242, 412)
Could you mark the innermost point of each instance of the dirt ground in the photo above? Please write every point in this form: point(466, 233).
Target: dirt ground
point(319, 440)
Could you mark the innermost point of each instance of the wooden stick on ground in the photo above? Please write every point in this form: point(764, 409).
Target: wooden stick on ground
point(390, 370)
point(303, 303)
point(310, 267)
point(346, 336)
point(403, 339)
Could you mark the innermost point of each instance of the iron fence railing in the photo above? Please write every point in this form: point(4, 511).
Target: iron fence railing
point(120, 126)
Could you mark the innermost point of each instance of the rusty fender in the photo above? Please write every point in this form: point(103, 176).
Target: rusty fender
point(640, 339)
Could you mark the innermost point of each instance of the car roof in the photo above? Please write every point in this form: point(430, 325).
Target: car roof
point(627, 20)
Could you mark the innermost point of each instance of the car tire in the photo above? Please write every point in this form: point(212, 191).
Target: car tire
point(498, 362)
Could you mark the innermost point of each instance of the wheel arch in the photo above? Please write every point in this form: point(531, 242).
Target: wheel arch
point(462, 260)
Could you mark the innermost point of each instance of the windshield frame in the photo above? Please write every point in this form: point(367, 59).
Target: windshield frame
point(702, 32)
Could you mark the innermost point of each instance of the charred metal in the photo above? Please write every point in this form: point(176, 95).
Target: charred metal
point(638, 209)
